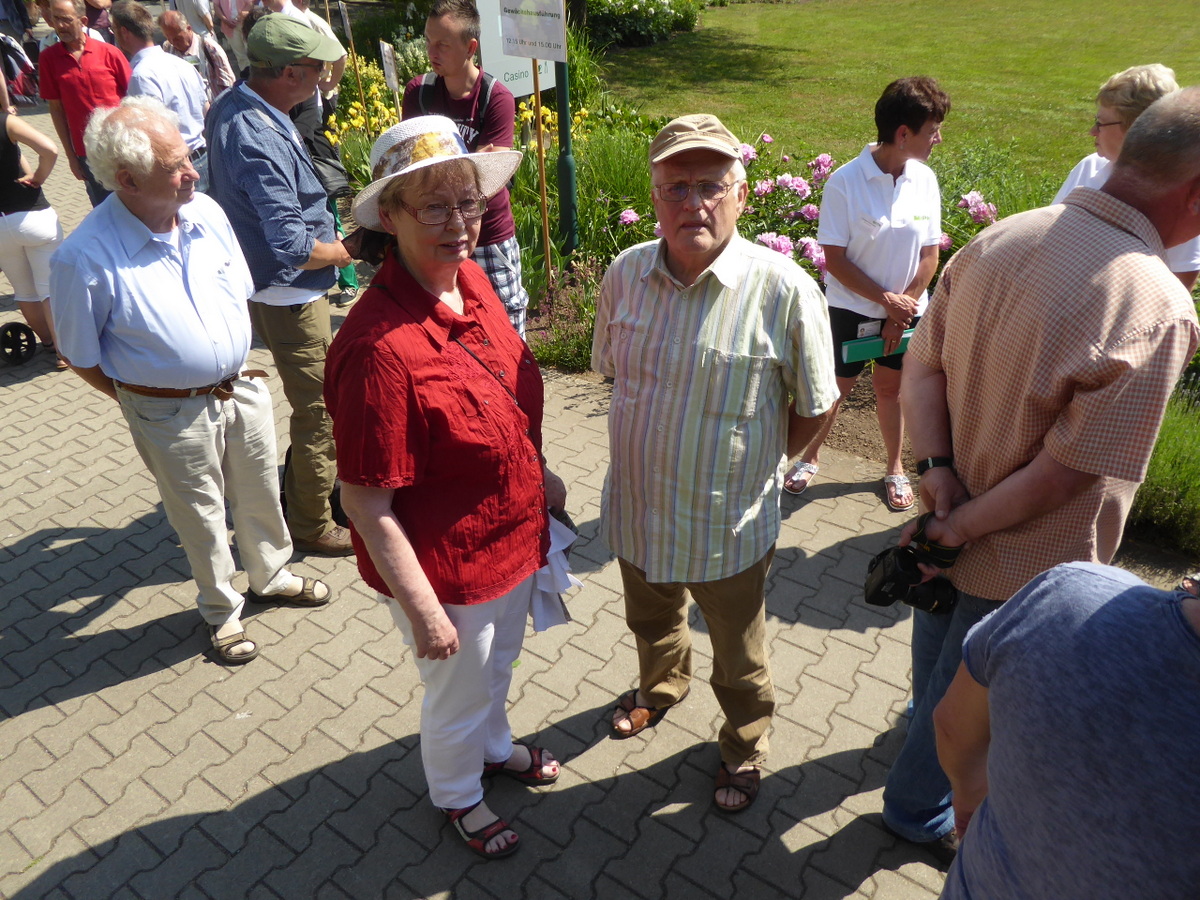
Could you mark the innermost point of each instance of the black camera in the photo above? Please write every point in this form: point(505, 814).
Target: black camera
point(895, 575)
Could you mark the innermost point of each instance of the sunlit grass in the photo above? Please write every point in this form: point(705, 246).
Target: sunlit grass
point(1024, 71)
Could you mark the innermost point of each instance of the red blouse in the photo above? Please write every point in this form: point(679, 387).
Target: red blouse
point(414, 412)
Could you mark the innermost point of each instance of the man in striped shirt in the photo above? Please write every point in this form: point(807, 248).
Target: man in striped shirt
point(705, 335)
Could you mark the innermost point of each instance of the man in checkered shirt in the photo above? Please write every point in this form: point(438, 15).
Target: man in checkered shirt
point(1034, 389)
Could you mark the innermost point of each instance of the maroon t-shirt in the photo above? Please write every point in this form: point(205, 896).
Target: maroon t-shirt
point(498, 123)
point(413, 412)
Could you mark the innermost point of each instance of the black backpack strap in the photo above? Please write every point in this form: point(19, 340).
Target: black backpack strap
point(485, 96)
point(425, 92)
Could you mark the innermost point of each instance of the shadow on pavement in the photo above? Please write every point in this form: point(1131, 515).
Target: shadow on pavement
point(362, 827)
point(67, 578)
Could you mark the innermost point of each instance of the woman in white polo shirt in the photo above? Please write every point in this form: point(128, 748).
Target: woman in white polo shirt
point(1121, 100)
point(880, 226)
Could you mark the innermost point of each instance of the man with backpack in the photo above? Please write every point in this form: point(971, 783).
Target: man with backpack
point(484, 110)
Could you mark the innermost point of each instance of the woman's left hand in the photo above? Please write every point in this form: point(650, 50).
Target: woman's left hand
point(893, 334)
point(556, 490)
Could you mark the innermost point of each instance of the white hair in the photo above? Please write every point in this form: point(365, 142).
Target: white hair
point(123, 141)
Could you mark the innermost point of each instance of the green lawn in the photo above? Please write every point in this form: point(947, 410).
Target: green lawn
point(1022, 71)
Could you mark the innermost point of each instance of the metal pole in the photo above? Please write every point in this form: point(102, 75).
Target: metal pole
point(568, 203)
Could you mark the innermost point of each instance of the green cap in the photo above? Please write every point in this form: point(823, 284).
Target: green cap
point(279, 40)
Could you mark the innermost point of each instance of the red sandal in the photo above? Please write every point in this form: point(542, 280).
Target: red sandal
point(539, 757)
point(478, 840)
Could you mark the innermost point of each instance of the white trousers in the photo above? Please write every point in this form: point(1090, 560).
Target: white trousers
point(27, 241)
point(203, 451)
point(464, 716)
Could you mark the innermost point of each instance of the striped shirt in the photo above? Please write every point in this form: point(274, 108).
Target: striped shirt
point(1059, 328)
point(698, 421)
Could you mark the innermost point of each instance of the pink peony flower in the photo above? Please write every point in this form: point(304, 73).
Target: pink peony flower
point(766, 138)
point(800, 187)
point(748, 153)
point(980, 211)
point(810, 211)
point(946, 242)
point(657, 230)
point(785, 158)
point(628, 217)
point(764, 187)
point(780, 243)
point(784, 180)
point(812, 251)
point(821, 167)
point(973, 198)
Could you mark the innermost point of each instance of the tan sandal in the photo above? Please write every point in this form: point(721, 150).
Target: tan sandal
point(224, 646)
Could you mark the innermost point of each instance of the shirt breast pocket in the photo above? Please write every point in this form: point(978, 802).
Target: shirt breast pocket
point(733, 383)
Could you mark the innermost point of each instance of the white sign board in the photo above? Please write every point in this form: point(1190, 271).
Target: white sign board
point(387, 54)
point(536, 29)
point(514, 72)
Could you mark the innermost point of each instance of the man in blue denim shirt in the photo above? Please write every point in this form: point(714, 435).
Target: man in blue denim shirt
point(264, 179)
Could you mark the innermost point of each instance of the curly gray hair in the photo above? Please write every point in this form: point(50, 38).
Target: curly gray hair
point(119, 137)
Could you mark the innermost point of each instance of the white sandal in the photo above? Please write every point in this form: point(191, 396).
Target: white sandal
point(799, 470)
point(900, 481)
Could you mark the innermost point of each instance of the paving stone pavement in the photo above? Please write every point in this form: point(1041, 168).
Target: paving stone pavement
point(136, 767)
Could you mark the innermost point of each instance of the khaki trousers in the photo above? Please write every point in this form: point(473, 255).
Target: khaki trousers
point(734, 610)
point(203, 451)
point(298, 338)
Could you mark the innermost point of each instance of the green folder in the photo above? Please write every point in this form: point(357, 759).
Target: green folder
point(870, 347)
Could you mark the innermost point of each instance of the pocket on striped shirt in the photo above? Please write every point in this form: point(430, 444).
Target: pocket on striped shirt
point(734, 382)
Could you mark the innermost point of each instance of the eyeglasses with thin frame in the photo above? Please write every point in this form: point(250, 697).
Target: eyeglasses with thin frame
point(1097, 124)
point(709, 192)
point(440, 214)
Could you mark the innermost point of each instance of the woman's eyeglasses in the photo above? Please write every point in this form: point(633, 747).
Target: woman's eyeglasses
point(440, 214)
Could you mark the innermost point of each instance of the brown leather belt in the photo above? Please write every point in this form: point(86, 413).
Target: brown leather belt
point(223, 390)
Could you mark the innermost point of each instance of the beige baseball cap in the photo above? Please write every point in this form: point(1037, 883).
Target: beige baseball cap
point(695, 132)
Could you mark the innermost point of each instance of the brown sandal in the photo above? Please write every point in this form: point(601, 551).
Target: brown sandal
point(745, 783)
point(640, 717)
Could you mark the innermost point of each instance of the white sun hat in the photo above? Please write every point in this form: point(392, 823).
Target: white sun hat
point(426, 141)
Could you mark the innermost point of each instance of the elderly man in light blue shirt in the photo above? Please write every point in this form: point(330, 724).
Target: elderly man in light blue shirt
point(150, 303)
point(168, 79)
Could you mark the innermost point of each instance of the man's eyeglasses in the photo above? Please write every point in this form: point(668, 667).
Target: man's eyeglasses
point(709, 192)
point(440, 214)
point(1097, 124)
point(322, 67)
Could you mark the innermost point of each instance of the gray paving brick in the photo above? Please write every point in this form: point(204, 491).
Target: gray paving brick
point(180, 868)
point(137, 804)
point(111, 780)
point(40, 832)
point(177, 774)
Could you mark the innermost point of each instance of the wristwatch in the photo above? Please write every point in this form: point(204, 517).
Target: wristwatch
point(934, 462)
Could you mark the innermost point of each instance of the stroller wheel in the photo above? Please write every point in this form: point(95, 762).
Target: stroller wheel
point(18, 343)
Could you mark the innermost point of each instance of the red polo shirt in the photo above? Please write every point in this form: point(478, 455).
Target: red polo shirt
point(96, 80)
point(415, 413)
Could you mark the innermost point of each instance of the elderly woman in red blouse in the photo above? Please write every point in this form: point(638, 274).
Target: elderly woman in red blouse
point(437, 413)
